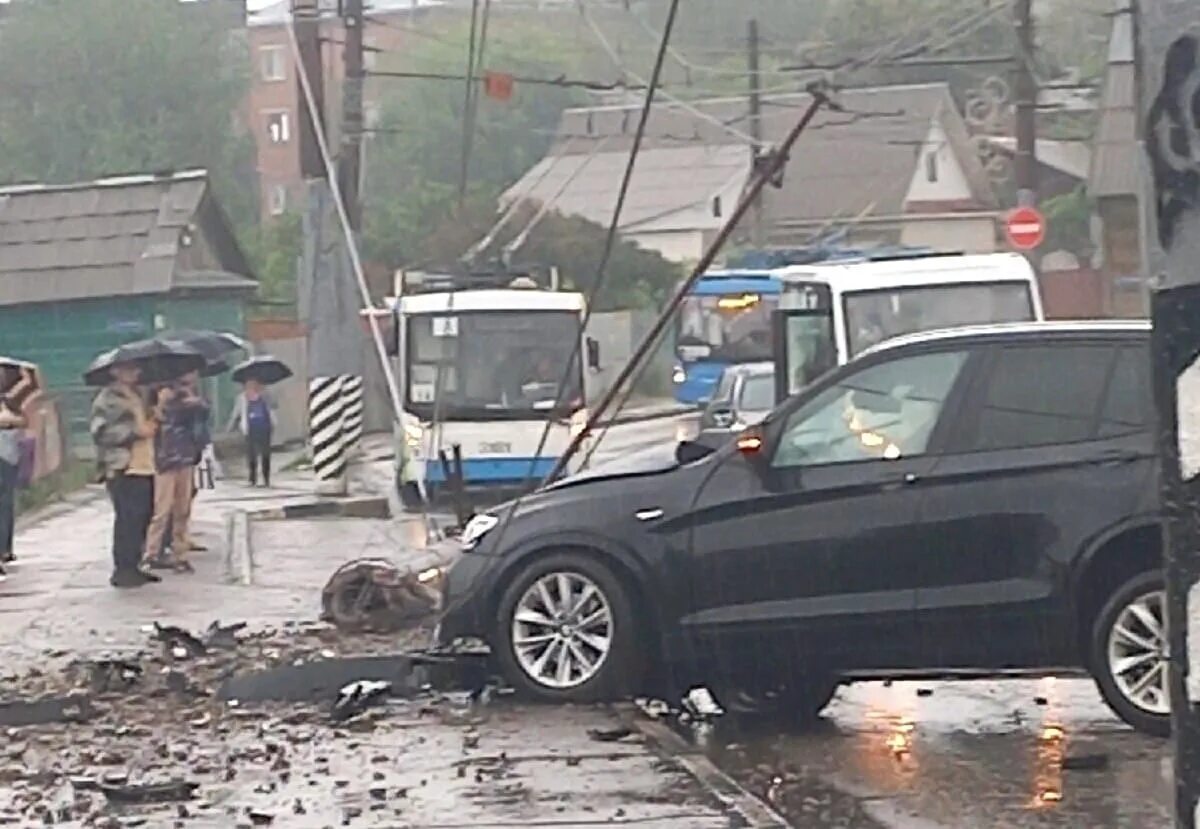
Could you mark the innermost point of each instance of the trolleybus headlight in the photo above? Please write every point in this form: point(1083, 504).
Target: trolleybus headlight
point(678, 375)
point(413, 434)
point(477, 528)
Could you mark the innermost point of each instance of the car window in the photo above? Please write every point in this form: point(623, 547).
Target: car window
point(888, 410)
point(1040, 396)
point(758, 393)
point(725, 387)
point(1128, 398)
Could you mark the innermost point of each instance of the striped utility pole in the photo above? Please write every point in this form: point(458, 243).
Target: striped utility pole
point(327, 433)
point(354, 412)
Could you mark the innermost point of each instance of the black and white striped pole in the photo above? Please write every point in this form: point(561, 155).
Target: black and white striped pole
point(1172, 140)
point(352, 392)
point(327, 433)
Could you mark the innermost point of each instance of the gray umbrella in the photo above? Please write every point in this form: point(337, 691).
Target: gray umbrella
point(159, 360)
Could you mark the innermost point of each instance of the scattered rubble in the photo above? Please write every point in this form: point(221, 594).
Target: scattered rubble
point(374, 595)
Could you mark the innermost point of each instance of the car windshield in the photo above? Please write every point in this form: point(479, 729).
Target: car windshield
point(731, 327)
point(493, 364)
point(758, 393)
point(878, 315)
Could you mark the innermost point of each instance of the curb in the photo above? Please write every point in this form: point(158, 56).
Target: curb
point(753, 812)
point(370, 507)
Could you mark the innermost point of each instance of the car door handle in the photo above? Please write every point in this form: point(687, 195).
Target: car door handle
point(908, 479)
point(1117, 458)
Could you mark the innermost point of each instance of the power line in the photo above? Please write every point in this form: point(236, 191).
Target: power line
point(607, 46)
point(562, 82)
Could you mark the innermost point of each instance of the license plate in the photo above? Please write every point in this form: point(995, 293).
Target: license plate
point(495, 448)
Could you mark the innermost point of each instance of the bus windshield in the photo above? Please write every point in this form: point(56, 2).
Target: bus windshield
point(878, 315)
point(732, 328)
point(497, 365)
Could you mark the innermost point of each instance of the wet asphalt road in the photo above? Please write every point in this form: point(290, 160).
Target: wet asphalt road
point(986, 754)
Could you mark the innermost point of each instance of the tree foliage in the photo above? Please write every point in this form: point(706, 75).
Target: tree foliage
point(105, 87)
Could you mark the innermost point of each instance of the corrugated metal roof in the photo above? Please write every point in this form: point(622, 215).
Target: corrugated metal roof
point(851, 163)
point(107, 238)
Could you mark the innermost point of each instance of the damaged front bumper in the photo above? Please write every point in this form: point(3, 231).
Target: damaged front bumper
point(466, 619)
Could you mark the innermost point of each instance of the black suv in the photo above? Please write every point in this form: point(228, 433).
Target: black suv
point(958, 503)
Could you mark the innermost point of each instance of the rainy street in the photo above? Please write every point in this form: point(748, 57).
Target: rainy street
point(927, 755)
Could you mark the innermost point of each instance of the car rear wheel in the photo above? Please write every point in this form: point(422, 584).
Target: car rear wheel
point(567, 631)
point(1129, 654)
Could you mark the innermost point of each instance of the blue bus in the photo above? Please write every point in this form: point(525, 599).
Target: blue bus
point(725, 320)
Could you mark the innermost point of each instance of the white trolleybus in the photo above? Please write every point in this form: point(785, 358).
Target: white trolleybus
point(480, 362)
point(830, 312)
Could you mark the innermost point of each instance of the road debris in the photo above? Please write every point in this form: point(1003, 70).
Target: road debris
point(143, 793)
point(375, 595)
point(357, 697)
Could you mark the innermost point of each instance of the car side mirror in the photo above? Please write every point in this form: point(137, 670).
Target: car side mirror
point(751, 444)
point(593, 353)
point(722, 417)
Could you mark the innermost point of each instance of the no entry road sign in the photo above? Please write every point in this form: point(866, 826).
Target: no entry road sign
point(1025, 228)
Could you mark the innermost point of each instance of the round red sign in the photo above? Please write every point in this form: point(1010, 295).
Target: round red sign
point(1025, 228)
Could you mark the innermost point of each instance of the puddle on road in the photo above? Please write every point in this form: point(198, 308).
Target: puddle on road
point(992, 755)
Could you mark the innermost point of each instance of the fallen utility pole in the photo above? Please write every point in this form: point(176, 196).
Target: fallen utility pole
point(768, 169)
point(1175, 308)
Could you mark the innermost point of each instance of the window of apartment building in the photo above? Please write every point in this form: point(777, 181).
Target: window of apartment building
point(273, 60)
point(279, 126)
point(277, 199)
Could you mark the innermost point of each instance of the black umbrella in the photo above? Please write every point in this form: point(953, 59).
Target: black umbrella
point(19, 380)
point(159, 360)
point(264, 368)
point(214, 367)
point(212, 344)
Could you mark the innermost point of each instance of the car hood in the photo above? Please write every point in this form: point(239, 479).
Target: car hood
point(653, 461)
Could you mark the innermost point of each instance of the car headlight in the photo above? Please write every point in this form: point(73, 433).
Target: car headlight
point(678, 375)
point(477, 528)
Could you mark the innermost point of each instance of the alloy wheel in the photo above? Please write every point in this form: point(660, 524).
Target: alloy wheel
point(1137, 653)
point(562, 630)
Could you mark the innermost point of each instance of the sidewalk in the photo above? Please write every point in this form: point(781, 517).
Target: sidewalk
point(57, 597)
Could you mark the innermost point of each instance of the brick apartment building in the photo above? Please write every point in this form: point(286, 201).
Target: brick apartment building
point(274, 104)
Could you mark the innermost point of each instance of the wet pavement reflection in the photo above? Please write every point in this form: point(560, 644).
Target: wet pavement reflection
point(992, 755)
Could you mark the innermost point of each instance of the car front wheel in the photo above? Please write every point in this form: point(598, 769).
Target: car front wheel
point(567, 632)
point(1129, 654)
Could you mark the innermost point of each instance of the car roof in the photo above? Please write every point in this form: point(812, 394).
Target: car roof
point(1025, 330)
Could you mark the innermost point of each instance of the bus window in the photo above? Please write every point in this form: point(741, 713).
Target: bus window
point(810, 348)
point(734, 327)
point(875, 316)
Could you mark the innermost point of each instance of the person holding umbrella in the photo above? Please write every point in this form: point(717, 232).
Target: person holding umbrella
point(123, 429)
point(11, 426)
point(254, 411)
point(180, 413)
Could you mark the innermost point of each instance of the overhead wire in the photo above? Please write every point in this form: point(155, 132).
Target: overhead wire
point(679, 103)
